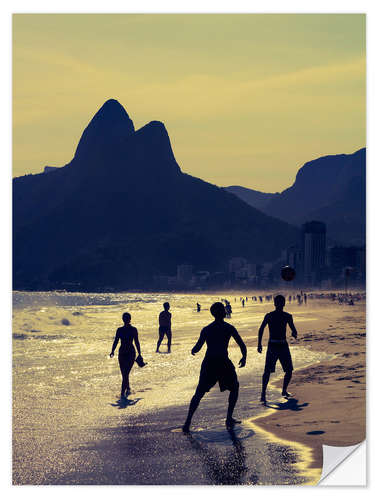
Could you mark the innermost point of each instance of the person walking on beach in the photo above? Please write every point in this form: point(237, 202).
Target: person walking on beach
point(165, 328)
point(126, 356)
point(278, 348)
point(198, 307)
point(216, 365)
point(228, 310)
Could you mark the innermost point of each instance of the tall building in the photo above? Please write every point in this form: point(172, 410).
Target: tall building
point(294, 258)
point(341, 258)
point(314, 250)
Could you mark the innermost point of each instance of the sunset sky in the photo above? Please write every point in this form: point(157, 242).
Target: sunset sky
point(246, 98)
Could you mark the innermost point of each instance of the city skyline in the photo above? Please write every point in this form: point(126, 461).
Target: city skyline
point(246, 99)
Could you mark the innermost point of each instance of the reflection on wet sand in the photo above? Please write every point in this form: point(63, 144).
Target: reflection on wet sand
point(223, 468)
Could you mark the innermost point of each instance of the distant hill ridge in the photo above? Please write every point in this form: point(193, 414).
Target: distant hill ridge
point(331, 188)
point(122, 210)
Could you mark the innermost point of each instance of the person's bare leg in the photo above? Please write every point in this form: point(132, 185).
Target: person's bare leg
point(169, 336)
point(125, 383)
point(233, 396)
point(128, 390)
point(194, 403)
point(265, 380)
point(287, 378)
point(159, 341)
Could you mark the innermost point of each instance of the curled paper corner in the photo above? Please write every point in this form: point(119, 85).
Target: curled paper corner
point(344, 465)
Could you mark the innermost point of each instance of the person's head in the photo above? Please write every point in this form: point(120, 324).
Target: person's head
point(218, 310)
point(279, 301)
point(166, 306)
point(126, 318)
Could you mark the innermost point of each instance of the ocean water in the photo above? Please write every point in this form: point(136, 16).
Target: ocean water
point(64, 382)
point(61, 343)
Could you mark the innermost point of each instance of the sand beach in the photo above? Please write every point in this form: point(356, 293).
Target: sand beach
point(70, 427)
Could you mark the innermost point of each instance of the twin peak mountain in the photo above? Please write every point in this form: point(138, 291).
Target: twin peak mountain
point(122, 211)
point(111, 142)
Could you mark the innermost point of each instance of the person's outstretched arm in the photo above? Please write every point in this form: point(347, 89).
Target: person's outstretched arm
point(199, 344)
point(136, 341)
point(242, 346)
point(260, 333)
point(115, 342)
point(292, 327)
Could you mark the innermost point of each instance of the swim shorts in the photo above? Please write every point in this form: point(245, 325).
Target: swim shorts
point(217, 370)
point(278, 351)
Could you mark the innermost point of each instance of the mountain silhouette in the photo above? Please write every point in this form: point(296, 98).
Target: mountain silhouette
point(331, 189)
point(109, 127)
point(122, 211)
point(256, 199)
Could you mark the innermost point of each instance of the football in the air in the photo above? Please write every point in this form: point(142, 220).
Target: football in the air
point(288, 273)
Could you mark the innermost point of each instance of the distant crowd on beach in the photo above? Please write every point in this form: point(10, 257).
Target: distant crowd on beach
point(301, 298)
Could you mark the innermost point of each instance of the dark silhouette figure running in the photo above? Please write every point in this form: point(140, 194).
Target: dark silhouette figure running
point(278, 348)
point(165, 318)
point(216, 365)
point(126, 356)
point(198, 307)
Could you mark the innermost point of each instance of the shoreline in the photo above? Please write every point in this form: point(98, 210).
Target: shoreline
point(333, 409)
point(310, 458)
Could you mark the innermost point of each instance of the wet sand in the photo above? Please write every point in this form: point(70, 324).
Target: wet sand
point(150, 448)
point(328, 404)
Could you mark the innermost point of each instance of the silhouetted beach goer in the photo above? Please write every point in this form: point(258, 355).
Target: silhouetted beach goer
point(243, 302)
point(216, 365)
point(126, 356)
point(198, 307)
point(165, 327)
point(228, 310)
point(278, 348)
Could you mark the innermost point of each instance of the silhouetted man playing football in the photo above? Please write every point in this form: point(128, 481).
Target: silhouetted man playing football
point(278, 348)
point(216, 365)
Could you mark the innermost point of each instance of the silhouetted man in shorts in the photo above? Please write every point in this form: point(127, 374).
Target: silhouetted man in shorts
point(216, 365)
point(278, 348)
point(165, 318)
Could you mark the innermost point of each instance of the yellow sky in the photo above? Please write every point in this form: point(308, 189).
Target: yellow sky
point(246, 99)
